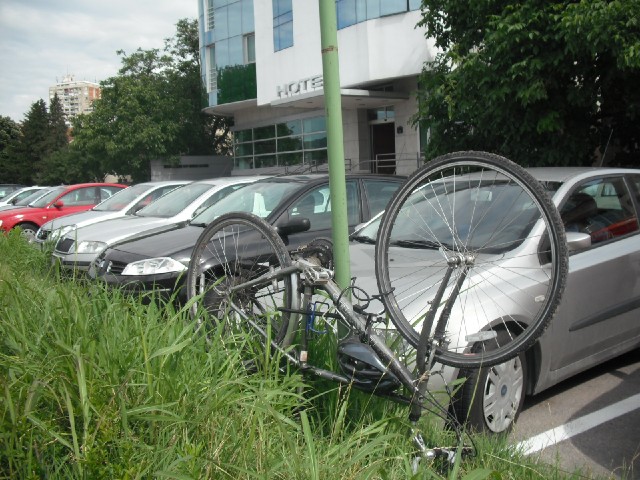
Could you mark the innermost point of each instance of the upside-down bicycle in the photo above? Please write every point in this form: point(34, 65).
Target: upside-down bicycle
point(467, 238)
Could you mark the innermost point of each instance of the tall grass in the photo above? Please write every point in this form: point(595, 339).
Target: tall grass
point(95, 384)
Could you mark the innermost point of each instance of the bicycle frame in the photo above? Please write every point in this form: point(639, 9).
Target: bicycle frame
point(317, 278)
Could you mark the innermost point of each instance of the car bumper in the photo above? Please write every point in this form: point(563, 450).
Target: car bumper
point(167, 286)
point(72, 261)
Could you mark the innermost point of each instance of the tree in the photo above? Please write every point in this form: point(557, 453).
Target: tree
point(541, 82)
point(9, 140)
point(35, 144)
point(152, 110)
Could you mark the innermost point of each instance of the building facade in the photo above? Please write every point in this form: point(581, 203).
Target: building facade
point(262, 65)
point(76, 96)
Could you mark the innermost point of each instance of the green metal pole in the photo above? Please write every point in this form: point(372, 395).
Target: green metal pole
point(335, 141)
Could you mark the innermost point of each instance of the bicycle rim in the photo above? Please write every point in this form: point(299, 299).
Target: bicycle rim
point(233, 250)
point(469, 247)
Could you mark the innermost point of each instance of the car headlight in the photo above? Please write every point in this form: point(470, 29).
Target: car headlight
point(154, 266)
point(90, 246)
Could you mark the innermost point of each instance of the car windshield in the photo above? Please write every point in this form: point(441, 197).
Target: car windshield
point(259, 198)
point(32, 197)
point(49, 197)
point(471, 219)
point(175, 201)
point(121, 199)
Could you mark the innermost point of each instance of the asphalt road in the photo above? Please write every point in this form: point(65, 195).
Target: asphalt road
point(590, 422)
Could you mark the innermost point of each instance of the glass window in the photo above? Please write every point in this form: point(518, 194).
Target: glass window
point(282, 24)
point(48, 198)
point(222, 53)
point(248, 23)
point(265, 161)
point(175, 201)
point(289, 144)
point(244, 135)
point(222, 23)
point(294, 158)
point(234, 19)
point(81, 196)
point(236, 51)
point(316, 140)
point(346, 13)
point(264, 132)
point(289, 128)
point(378, 193)
point(250, 48)
point(389, 7)
point(244, 149)
point(265, 146)
point(414, 4)
point(315, 124)
point(316, 206)
point(603, 208)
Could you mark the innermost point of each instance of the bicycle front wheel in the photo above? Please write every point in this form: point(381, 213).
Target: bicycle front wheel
point(233, 277)
point(471, 251)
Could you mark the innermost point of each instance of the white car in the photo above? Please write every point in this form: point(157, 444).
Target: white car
point(18, 195)
point(596, 320)
point(125, 202)
point(76, 249)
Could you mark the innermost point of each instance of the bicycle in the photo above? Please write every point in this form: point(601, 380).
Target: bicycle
point(465, 238)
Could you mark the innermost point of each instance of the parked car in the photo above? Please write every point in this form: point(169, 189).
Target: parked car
point(59, 201)
point(157, 262)
point(27, 200)
point(17, 195)
point(125, 202)
point(7, 188)
point(598, 315)
point(76, 249)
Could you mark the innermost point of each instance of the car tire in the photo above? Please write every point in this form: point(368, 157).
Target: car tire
point(28, 231)
point(491, 398)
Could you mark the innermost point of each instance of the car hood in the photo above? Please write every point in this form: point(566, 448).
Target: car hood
point(177, 243)
point(115, 229)
point(80, 219)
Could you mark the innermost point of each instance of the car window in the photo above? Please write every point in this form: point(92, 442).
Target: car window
point(378, 193)
point(316, 206)
point(81, 196)
point(216, 197)
point(175, 201)
point(106, 192)
point(603, 208)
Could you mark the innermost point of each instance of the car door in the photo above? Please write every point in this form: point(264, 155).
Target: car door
point(76, 200)
point(315, 205)
point(598, 315)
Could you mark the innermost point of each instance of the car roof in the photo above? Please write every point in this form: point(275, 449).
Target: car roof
point(564, 174)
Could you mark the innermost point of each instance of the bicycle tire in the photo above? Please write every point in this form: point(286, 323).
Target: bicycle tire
point(233, 249)
point(493, 219)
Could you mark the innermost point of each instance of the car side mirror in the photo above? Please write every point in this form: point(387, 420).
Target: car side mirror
point(59, 204)
point(578, 241)
point(295, 225)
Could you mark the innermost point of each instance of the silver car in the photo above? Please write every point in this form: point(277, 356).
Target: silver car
point(125, 202)
point(76, 249)
point(597, 318)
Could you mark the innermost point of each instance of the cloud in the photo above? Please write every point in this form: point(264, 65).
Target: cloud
point(42, 41)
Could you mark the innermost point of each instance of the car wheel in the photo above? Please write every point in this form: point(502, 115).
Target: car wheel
point(29, 231)
point(491, 398)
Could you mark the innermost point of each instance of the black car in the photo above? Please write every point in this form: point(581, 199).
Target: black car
point(158, 262)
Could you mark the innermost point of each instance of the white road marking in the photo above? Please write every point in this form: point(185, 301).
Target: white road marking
point(579, 425)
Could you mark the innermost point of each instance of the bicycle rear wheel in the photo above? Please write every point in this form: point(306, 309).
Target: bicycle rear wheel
point(469, 247)
point(227, 277)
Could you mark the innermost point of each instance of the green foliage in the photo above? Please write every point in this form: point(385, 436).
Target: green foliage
point(152, 110)
point(544, 83)
point(10, 136)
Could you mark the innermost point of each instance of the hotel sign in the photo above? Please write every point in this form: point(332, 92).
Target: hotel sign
point(300, 86)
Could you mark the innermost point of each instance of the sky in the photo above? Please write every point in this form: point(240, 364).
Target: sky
point(42, 41)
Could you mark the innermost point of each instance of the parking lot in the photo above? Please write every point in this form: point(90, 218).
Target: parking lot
point(591, 422)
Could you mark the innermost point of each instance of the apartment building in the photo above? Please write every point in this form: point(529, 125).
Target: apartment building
point(262, 65)
point(76, 96)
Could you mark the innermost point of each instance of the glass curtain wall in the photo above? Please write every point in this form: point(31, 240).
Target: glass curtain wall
point(234, 47)
point(350, 12)
point(295, 142)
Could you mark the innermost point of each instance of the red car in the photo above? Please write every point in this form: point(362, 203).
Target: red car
point(60, 201)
